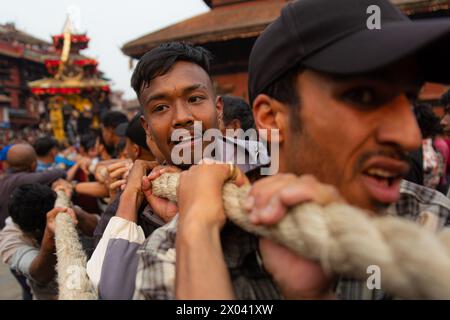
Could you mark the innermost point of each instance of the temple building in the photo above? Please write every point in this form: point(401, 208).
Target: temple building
point(21, 61)
point(231, 27)
point(74, 87)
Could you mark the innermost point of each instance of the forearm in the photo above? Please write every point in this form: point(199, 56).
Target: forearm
point(87, 223)
point(128, 205)
point(72, 171)
point(201, 272)
point(42, 268)
point(45, 177)
point(94, 189)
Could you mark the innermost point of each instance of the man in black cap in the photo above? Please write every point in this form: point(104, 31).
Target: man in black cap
point(136, 145)
point(340, 95)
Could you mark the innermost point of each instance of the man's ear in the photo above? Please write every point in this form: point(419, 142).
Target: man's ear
point(136, 150)
point(145, 125)
point(269, 114)
point(219, 105)
point(33, 166)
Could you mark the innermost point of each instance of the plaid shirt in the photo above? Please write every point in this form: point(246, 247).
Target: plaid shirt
point(155, 278)
point(156, 269)
point(425, 206)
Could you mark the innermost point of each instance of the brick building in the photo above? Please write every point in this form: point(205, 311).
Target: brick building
point(231, 27)
point(21, 60)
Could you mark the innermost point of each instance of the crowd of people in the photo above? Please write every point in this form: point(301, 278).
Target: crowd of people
point(343, 101)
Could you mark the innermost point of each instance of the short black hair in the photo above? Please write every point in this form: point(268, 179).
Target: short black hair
point(111, 119)
point(28, 206)
point(44, 145)
point(110, 150)
point(237, 108)
point(284, 89)
point(159, 60)
point(445, 99)
point(88, 140)
point(429, 123)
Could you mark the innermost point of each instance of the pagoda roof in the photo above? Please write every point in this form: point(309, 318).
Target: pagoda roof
point(226, 22)
point(9, 31)
point(18, 44)
point(76, 39)
point(240, 19)
point(49, 84)
point(410, 7)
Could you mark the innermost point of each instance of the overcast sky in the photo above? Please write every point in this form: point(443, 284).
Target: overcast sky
point(109, 24)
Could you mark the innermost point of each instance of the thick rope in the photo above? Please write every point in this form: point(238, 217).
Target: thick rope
point(73, 281)
point(414, 262)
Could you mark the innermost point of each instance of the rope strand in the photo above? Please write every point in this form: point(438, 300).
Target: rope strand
point(73, 281)
point(414, 262)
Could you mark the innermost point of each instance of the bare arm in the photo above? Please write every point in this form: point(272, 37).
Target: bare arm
point(42, 268)
point(87, 222)
point(45, 177)
point(132, 196)
point(72, 171)
point(95, 189)
point(201, 272)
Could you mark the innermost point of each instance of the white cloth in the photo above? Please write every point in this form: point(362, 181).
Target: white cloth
point(19, 251)
point(118, 228)
point(12, 238)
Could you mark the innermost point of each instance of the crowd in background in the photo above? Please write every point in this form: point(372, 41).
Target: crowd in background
point(345, 129)
point(91, 172)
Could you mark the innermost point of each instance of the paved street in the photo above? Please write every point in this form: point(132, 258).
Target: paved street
point(9, 287)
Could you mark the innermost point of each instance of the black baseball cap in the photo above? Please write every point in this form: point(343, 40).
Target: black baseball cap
point(333, 36)
point(134, 131)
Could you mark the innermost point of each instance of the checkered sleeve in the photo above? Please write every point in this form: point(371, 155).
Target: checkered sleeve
point(417, 203)
point(155, 277)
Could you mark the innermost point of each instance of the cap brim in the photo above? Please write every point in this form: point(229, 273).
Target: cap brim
point(370, 50)
point(121, 129)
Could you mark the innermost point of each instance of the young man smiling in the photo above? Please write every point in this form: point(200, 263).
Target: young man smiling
point(179, 96)
point(175, 89)
point(340, 95)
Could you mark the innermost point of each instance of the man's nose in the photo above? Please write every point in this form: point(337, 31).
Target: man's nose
point(183, 116)
point(399, 125)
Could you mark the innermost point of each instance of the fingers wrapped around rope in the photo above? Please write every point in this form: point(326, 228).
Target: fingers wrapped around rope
point(414, 262)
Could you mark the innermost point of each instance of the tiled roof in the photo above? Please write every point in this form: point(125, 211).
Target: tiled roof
point(240, 20)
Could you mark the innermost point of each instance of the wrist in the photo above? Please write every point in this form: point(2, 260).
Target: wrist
point(128, 205)
point(48, 241)
point(206, 216)
point(193, 222)
point(190, 233)
point(131, 188)
point(129, 195)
